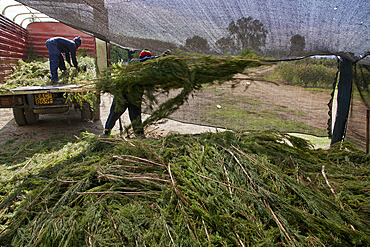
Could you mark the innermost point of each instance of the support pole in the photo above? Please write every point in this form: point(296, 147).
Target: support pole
point(367, 130)
point(344, 100)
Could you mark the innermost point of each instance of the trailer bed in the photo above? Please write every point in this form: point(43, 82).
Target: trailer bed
point(30, 101)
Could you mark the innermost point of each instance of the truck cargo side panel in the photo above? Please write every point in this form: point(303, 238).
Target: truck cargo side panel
point(40, 32)
point(13, 45)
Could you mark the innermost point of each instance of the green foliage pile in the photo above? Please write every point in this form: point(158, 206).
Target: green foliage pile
point(185, 73)
point(222, 189)
point(37, 73)
point(309, 72)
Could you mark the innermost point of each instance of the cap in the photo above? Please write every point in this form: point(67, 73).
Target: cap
point(77, 40)
point(145, 52)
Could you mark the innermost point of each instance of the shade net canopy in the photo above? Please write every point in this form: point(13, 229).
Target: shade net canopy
point(275, 28)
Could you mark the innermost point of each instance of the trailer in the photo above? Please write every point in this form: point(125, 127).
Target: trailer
point(30, 101)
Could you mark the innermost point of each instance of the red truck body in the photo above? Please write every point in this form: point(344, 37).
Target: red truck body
point(30, 101)
point(15, 41)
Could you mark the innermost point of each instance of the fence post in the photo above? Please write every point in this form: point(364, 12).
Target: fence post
point(344, 100)
point(367, 130)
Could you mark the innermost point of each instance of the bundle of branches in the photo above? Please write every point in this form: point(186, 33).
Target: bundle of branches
point(37, 73)
point(185, 73)
point(223, 189)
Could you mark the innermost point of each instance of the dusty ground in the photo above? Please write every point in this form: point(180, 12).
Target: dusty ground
point(70, 124)
point(312, 105)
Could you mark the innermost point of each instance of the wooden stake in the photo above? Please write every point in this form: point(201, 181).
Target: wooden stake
point(120, 127)
point(326, 179)
point(367, 130)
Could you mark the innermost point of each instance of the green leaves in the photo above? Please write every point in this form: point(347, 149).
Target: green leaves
point(180, 75)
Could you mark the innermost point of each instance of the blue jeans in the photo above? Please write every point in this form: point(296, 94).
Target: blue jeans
point(56, 60)
point(134, 113)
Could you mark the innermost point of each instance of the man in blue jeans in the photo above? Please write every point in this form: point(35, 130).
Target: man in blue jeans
point(133, 106)
point(56, 47)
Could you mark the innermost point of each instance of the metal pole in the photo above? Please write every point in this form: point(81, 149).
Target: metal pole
point(367, 130)
point(120, 127)
point(344, 100)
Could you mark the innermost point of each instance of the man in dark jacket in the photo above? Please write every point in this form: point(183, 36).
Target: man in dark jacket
point(134, 108)
point(56, 47)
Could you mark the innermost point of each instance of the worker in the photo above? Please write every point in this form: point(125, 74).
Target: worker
point(56, 47)
point(134, 107)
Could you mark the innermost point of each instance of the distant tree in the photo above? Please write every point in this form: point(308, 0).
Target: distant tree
point(197, 44)
point(297, 44)
point(227, 45)
point(248, 32)
point(245, 33)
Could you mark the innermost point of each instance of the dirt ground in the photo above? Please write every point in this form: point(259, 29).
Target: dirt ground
point(312, 105)
point(70, 123)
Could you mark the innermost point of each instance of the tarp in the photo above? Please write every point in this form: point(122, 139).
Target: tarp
point(276, 28)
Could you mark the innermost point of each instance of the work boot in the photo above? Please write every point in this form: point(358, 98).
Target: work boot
point(106, 132)
point(140, 134)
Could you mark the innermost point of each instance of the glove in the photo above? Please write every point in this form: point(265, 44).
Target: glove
point(165, 53)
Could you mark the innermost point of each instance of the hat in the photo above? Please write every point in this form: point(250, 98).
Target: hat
point(77, 40)
point(144, 53)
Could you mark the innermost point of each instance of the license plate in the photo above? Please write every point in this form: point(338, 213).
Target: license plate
point(43, 99)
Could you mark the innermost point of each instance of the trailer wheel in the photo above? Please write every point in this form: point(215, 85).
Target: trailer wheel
point(96, 114)
point(87, 114)
point(31, 117)
point(19, 116)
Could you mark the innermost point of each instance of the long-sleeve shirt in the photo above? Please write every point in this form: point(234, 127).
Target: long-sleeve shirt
point(68, 47)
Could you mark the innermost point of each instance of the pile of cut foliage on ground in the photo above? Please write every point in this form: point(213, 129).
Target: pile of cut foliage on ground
point(211, 189)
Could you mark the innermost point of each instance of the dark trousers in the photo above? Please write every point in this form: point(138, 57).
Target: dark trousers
point(56, 60)
point(134, 114)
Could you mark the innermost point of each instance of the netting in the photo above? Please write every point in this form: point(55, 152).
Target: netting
point(278, 29)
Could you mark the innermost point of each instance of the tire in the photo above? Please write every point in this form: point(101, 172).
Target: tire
point(96, 114)
point(19, 116)
point(31, 117)
point(87, 114)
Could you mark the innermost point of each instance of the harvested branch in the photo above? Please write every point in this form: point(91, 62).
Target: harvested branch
point(241, 166)
point(250, 158)
point(227, 185)
point(326, 180)
point(18, 172)
point(159, 76)
point(117, 192)
point(122, 157)
point(279, 223)
point(205, 229)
